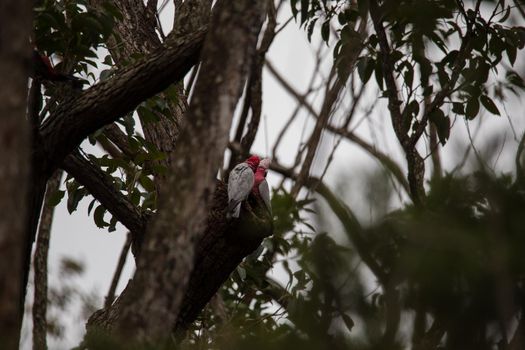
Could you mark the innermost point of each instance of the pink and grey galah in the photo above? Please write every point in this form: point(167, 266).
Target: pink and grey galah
point(260, 186)
point(240, 184)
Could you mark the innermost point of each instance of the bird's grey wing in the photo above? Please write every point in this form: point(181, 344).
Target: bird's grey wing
point(264, 191)
point(240, 182)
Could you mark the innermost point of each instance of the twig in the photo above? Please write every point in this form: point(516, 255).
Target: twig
point(383, 158)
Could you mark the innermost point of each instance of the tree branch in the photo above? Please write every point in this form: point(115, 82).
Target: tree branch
point(383, 158)
point(255, 81)
point(118, 271)
point(40, 265)
point(111, 99)
point(101, 186)
point(416, 164)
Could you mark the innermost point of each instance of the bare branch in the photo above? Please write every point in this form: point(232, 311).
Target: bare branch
point(118, 271)
point(40, 265)
point(383, 158)
point(322, 121)
point(253, 99)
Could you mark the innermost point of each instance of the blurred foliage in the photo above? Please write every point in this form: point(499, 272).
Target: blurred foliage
point(68, 301)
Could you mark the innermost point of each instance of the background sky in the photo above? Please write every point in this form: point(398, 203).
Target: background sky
point(77, 237)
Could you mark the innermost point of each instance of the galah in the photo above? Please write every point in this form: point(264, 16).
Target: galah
point(260, 186)
point(43, 69)
point(240, 184)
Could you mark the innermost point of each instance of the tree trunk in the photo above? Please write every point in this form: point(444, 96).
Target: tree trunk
point(15, 16)
point(152, 302)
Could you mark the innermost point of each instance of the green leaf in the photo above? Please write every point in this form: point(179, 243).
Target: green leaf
point(55, 198)
point(98, 216)
point(90, 206)
point(147, 183)
point(472, 108)
point(442, 124)
point(293, 5)
point(379, 74)
point(325, 31)
point(74, 198)
point(310, 29)
point(349, 323)
point(365, 67)
point(511, 54)
point(458, 108)
point(304, 10)
point(489, 104)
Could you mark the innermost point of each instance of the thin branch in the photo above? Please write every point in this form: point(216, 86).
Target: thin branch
point(40, 265)
point(315, 138)
point(383, 158)
point(394, 103)
point(291, 90)
point(255, 81)
point(118, 271)
point(119, 138)
point(416, 164)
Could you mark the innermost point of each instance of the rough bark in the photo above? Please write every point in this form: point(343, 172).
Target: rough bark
point(40, 266)
point(151, 305)
point(15, 16)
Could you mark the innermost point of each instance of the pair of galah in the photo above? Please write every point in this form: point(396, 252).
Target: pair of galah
point(245, 178)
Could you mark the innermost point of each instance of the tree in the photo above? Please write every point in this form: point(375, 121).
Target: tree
point(451, 238)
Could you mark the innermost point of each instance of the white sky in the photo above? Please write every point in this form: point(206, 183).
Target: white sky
point(77, 237)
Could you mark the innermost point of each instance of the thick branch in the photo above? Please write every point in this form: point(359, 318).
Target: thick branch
point(255, 82)
point(111, 99)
